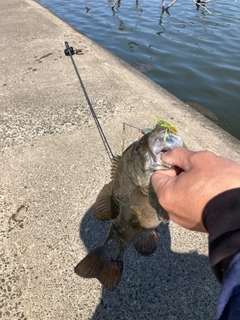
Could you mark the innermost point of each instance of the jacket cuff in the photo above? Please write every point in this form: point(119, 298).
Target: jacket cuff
point(221, 218)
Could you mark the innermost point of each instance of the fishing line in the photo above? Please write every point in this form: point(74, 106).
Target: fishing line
point(141, 131)
point(130, 125)
point(69, 51)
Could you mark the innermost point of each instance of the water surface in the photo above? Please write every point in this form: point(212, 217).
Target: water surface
point(191, 53)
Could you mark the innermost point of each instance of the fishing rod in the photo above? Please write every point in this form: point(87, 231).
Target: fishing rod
point(69, 51)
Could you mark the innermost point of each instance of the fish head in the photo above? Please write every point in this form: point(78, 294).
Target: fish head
point(146, 155)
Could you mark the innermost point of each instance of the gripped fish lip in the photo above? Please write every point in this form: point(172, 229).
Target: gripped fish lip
point(162, 166)
point(156, 162)
point(159, 144)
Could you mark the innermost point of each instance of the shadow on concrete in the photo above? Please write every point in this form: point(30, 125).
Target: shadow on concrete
point(165, 285)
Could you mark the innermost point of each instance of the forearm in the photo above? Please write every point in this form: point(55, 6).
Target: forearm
point(221, 218)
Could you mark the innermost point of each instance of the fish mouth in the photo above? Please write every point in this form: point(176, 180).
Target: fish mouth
point(160, 142)
point(158, 164)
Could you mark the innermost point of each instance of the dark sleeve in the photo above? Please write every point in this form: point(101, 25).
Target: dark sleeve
point(229, 299)
point(221, 218)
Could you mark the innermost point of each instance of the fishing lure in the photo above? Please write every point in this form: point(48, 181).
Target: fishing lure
point(161, 123)
point(166, 125)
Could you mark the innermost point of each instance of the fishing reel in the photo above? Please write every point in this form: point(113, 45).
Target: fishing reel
point(72, 51)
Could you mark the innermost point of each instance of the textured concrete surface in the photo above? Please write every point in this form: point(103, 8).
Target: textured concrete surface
point(53, 164)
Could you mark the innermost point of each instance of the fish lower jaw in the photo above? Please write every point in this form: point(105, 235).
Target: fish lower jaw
point(162, 166)
point(157, 164)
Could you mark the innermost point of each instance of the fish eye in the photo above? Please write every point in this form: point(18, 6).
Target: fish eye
point(138, 150)
point(139, 146)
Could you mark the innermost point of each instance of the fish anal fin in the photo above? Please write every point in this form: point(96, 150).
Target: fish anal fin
point(147, 243)
point(99, 265)
point(102, 206)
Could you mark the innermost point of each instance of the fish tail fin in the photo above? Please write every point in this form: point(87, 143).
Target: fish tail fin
point(98, 265)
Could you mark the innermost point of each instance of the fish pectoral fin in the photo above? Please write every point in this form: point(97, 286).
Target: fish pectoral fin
point(139, 196)
point(97, 265)
point(102, 206)
point(147, 243)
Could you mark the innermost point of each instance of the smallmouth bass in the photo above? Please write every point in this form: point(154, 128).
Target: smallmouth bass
point(131, 203)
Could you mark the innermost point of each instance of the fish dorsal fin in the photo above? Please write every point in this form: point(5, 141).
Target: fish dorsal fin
point(115, 162)
point(102, 206)
point(139, 196)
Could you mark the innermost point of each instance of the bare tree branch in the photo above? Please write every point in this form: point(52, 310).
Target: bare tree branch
point(168, 6)
point(115, 2)
point(200, 5)
point(204, 1)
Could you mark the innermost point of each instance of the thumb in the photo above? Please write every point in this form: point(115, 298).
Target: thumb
point(178, 157)
point(160, 178)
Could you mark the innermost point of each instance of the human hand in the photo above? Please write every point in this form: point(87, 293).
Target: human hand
point(199, 176)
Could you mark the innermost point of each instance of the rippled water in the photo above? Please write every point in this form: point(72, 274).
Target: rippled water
point(191, 53)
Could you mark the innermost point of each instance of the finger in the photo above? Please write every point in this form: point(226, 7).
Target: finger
point(173, 172)
point(179, 157)
point(160, 178)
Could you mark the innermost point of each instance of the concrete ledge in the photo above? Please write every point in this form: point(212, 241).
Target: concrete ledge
point(53, 164)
